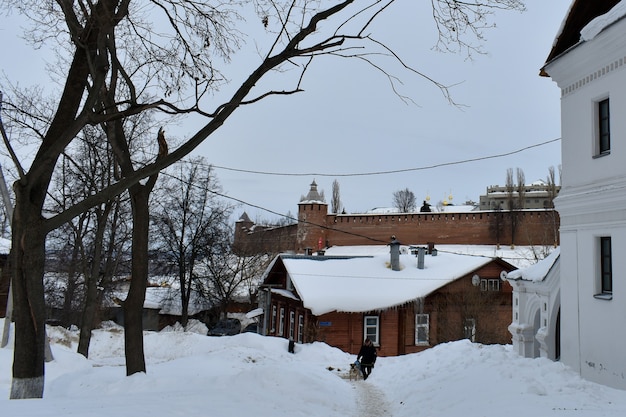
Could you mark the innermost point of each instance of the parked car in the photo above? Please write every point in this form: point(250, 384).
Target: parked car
point(252, 328)
point(226, 327)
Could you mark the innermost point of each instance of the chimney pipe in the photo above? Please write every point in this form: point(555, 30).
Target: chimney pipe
point(421, 252)
point(395, 254)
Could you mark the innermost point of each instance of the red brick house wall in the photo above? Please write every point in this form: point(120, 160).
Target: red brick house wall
point(447, 308)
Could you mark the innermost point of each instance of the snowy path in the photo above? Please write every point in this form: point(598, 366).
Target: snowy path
point(371, 400)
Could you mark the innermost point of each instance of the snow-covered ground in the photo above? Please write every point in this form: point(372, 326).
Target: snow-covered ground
point(250, 375)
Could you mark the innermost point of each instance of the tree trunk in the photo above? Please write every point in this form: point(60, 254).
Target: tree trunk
point(133, 305)
point(91, 294)
point(28, 255)
point(70, 290)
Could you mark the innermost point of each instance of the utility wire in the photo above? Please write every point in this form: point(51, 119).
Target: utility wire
point(395, 171)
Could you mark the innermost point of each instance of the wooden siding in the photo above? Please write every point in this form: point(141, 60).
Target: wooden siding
point(447, 309)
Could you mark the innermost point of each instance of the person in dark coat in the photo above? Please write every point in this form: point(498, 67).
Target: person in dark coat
point(367, 357)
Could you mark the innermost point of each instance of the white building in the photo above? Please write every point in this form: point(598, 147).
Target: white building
point(588, 63)
point(536, 195)
point(535, 330)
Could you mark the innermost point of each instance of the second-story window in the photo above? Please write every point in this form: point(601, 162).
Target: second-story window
point(604, 127)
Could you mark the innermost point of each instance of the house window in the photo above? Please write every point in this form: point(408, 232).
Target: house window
point(273, 323)
point(281, 322)
point(604, 127)
point(421, 329)
point(469, 329)
point(606, 273)
point(300, 328)
point(372, 329)
point(292, 324)
point(490, 285)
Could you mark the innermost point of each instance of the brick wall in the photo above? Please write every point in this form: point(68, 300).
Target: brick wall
point(478, 227)
point(534, 227)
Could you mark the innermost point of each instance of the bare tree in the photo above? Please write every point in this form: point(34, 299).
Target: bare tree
point(552, 187)
point(219, 276)
point(118, 66)
point(521, 188)
point(92, 237)
point(496, 224)
point(335, 202)
point(188, 220)
point(552, 193)
point(509, 185)
point(404, 201)
point(513, 200)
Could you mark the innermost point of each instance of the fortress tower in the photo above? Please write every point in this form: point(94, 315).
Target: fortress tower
point(312, 221)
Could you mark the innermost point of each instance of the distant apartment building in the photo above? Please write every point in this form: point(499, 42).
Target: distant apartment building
point(537, 195)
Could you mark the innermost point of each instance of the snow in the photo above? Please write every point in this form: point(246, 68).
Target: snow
point(518, 256)
point(250, 375)
point(538, 271)
point(449, 208)
point(359, 278)
point(597, 25)
point(363, 284)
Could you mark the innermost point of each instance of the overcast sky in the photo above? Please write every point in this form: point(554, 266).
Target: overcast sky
point(348, 120)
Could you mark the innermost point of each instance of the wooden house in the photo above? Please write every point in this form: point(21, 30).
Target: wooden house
point(403, 300)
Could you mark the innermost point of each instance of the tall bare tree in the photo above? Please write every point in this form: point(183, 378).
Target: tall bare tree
point(335, 202)
point(509, 185)
point(513, 201)
point(404, 201)
point(188, 221)
point(117, 66)
point(521, 188)
point(552, 193)
point(552, 187)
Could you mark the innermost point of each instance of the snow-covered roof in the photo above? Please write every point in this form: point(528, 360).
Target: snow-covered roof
point(518, 256)
point(597, 25)
point(167, 300)
point(313, 196)
point(536, 272)
point(449, 208)
point(360, 284)
point(579, 24)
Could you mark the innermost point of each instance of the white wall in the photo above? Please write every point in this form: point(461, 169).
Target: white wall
point(592, 203)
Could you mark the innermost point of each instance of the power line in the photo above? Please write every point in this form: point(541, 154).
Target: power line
point(395, 171)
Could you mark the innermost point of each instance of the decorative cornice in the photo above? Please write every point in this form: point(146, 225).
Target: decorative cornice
point(599, 73)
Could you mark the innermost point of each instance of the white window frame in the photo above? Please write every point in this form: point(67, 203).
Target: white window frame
point(598, 146)
point(300, 328)
point(371, 327)
point(604, 268)
point(422, 324)
point(292, 324)
point(491, 284)
point(281, 323)
point(469, 329)
point(273, 323)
